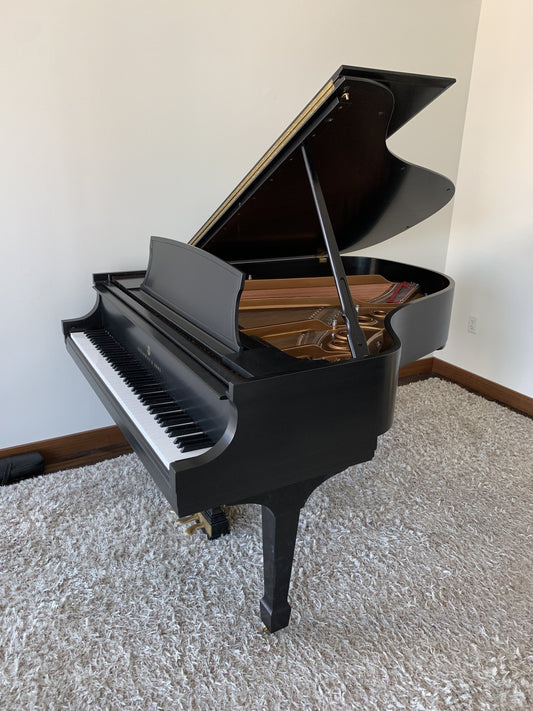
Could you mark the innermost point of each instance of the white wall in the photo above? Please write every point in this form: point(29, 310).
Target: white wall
point(124, 119)
point(491, 246)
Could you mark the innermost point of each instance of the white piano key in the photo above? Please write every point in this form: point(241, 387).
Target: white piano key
point(163, 446)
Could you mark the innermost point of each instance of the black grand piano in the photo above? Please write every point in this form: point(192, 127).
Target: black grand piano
point(255, 362)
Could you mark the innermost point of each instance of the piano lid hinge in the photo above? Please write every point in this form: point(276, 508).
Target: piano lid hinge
point(322, 257)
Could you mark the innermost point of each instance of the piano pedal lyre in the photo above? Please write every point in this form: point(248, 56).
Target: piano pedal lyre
point(212, 522)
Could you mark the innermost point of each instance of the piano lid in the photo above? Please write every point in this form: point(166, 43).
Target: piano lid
point(371, 195)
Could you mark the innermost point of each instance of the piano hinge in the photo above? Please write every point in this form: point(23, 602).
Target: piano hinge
point(322, 257)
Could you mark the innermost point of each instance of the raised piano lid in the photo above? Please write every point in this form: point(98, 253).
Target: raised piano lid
point(370, 194)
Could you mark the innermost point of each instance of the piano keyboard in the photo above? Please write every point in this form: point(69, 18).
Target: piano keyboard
point(169, 430)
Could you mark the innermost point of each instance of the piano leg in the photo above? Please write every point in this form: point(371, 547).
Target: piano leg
point(279, 537)
point(280, 515)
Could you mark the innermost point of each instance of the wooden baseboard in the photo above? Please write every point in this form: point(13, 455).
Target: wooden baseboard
point(84, 448)
point(424, 366)
point(484, 387)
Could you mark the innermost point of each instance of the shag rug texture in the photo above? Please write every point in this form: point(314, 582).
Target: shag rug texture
point(412, 585)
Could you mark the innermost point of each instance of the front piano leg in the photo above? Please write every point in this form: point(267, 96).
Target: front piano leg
point(280, 516)
point(280, 528)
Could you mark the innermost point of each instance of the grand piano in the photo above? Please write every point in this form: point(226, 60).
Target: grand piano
point(259, 359)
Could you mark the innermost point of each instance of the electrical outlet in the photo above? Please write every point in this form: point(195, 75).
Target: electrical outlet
point(471, 325)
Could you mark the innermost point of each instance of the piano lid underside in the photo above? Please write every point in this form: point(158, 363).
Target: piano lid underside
point(371, 195)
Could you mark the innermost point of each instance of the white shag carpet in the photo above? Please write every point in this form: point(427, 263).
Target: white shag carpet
point(412, 585)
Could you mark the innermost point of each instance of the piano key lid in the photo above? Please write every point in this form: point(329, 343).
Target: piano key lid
point(370, 194)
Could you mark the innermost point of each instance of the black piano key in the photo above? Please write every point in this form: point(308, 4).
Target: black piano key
point(163, 417)
point(198, 443)
point(186, 428)
point(179, 441)
point(143, 385)
point(142, 378)
point(191, 436)
point(173, 417)
point(163, 408)
point(152, 399)
point(167, 426)
point(149, 388)
point(166, 408)
point(138, 375)
point(136, 384)
point(150, 381)
point(131, 370)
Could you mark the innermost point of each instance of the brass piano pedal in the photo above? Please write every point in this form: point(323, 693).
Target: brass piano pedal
point(196, 521)
point(212, 522)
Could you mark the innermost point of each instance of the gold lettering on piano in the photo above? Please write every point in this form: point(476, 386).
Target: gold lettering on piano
point(146, 354)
